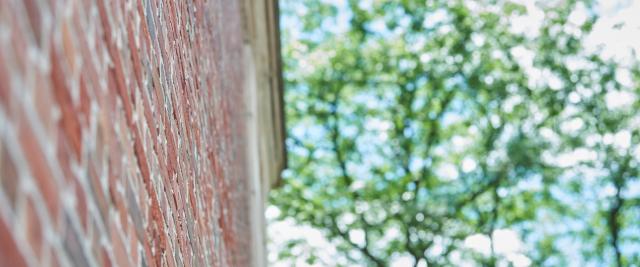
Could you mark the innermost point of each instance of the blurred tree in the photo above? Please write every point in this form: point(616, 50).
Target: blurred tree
point(416, 127)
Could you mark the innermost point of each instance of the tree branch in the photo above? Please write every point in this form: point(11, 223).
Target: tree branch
point(614, 212)
point(363, 249)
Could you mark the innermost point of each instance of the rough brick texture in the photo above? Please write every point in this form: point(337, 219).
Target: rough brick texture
point(121, 134)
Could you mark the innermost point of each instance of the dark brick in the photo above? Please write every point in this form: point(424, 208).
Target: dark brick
point(72, 245)
point(8, 175)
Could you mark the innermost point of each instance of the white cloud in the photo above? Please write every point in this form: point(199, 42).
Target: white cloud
point(402, 261)
point(447, 171)
point(572, 158)
point(519, 260)
point(281, 232)
point(617, 30)
point(579, 15)
point(623, 76)
point(529, 23)
point(507, 243)
point(622, 140)
point(616, 99)
point(479, 243)
point(357, 236)
point(272, 212)
point(468, 164)
point(572, 125)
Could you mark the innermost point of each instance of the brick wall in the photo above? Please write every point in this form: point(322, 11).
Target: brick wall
point(122, 134)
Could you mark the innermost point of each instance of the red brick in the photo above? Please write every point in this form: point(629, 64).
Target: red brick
point(125, 98)
point(106, 259)
point(69, 121)
point(33, 227)
point(134, 253)
point(35, 21)
point(40, 168)
point(119, 251)
point(4, 84)
point(81, 205)
point(44, 104)
point(19, 43)
point(9, 253)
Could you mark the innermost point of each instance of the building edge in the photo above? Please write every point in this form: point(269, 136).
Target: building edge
point(265, 110)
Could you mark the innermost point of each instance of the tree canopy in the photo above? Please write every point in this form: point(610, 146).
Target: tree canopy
point(418, 128)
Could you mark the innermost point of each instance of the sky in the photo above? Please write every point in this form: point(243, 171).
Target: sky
point(615, 36)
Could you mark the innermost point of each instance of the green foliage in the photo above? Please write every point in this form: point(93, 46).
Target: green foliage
point(422, 123)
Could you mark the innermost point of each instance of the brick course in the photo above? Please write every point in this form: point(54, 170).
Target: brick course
point(122, 134)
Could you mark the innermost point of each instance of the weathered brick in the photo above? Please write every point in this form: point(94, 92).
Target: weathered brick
point(130, 125)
